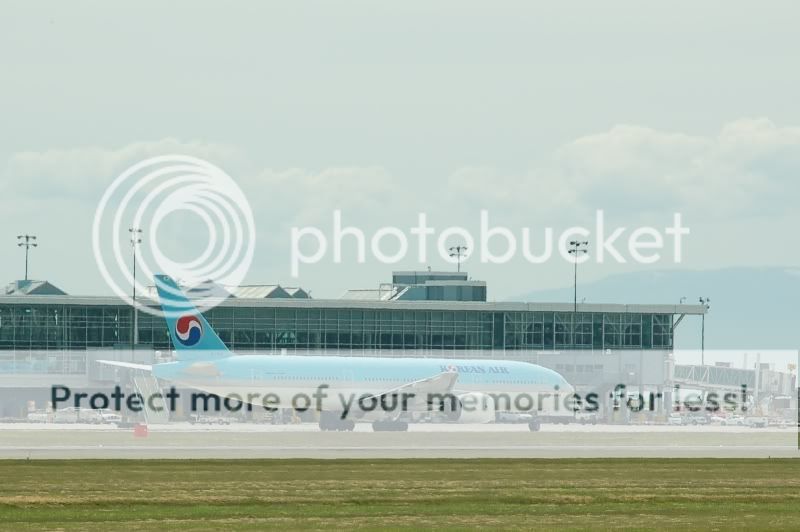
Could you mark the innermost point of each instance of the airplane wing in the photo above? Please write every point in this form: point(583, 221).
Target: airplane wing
point(419, 392)
point(128, 365)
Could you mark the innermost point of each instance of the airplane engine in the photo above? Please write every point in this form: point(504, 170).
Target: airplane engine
point(471, 408)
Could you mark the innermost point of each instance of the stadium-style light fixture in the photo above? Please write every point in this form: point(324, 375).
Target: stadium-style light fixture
point(459, 252)
point(578, 247)
point(28, 242)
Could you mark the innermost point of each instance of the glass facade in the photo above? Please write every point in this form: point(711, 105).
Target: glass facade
point(68, 326)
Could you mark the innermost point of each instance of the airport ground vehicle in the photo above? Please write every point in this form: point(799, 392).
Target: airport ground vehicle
point(675, 419)
point(39, 416)
point(757, 422)
point(555, 420)
point(512, 417)
point(697, 419)
point(88, 415)
point(737, 421)
point(66, 415)
point(200, 419)
point(97, 415)
point(75, 415)
point(108, 416)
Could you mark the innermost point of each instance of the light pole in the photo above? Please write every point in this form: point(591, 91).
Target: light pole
point(28, 242)
point(577, 250)
point(458, 252)
point(136, 239)
point(705, 302)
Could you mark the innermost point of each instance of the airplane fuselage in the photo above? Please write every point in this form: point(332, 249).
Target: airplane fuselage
point(332, 382)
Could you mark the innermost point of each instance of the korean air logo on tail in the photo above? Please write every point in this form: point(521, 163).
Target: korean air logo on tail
point(188, 330)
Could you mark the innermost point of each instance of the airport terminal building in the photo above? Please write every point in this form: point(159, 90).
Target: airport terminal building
point(421, 314)
point(53, 323)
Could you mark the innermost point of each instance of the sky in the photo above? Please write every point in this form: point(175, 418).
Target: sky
point(540, 113)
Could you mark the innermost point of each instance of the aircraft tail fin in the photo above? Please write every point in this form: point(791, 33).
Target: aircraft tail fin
point(192, 336)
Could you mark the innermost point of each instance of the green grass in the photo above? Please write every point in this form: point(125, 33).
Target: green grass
point(454, 494)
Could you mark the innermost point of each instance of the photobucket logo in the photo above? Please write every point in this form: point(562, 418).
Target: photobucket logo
point(207, 203)
point(494, 244)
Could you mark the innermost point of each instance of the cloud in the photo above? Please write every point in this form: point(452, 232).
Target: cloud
point(298, 194)
point(307, 196)
point(749, 168)
point(84, 172)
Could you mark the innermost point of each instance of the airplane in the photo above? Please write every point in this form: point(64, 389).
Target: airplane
point(343, 389)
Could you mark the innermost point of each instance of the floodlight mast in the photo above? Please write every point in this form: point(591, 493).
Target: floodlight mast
point(705, 302)
point(28, 242)
point(458, 252)
point(577, 248)
point(135, 240)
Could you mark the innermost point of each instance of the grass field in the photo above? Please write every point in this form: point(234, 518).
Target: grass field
point(309, 494)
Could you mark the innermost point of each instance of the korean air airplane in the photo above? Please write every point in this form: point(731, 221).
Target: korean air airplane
point(385, 391)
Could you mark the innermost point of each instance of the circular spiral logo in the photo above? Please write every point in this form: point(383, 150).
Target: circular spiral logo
point(188, 330)
point(177, 215)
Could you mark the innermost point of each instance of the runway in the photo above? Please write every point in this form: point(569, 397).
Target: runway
point(422, 441)
point(352, 452)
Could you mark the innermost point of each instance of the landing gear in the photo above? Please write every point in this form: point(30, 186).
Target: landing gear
point(334, 421)
point(534, 425)
point(389, 425)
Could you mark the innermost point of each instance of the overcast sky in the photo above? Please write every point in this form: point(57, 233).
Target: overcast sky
point(540, 113)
